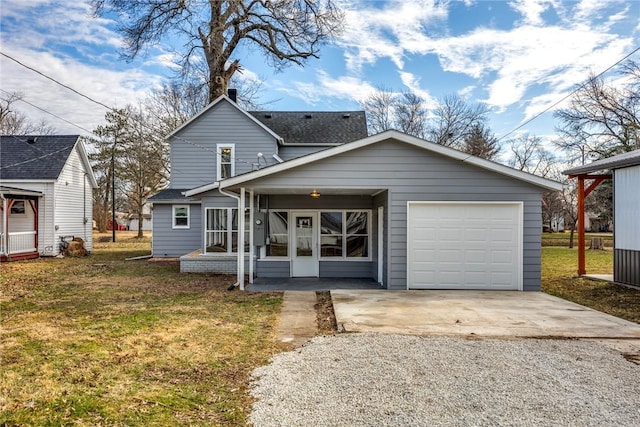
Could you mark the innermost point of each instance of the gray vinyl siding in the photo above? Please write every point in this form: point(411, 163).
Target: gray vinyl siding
point(193, 150)
point(275, 202)
point(413, 174)
point(288, 152)
point(346, 269)
point(169, 242)
point(272, 268)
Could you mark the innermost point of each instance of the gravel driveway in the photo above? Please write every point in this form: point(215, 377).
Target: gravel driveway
point(378, 379)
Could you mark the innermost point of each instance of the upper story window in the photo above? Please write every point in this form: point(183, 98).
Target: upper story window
point(225, 161)
point(180, 216)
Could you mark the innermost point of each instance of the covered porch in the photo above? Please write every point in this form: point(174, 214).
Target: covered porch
point(315, 238)
point(19, 229)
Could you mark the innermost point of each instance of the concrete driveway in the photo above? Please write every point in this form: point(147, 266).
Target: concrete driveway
point(480, 313)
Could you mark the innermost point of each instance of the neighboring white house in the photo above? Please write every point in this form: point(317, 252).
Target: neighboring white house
point(133, 221)
point(46, 186)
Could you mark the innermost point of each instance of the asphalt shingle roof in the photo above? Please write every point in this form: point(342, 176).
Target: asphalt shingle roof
point(34, 156)
point(315, 127)
point(170, 194)
point(623, 160)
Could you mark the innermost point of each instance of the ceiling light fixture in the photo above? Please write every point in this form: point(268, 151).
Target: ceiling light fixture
point(314, 194)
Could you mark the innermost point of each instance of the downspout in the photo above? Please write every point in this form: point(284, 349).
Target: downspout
point(238, 272)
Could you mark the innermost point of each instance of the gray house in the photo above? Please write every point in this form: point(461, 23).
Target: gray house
point(329, 201)
point(624, 169)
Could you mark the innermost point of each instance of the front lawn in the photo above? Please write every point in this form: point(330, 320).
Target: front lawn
point(103, 341)
point(559, 278)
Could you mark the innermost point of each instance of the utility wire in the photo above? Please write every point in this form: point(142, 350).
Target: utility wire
point(48, 112)
point(144, 124)
point(566, 96)
point(54, 80)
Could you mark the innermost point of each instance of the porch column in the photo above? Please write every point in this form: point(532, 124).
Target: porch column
point(581, 244)
point(251, 247)
point(241, 239)
point(5, 224)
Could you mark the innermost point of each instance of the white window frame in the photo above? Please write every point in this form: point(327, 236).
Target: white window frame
point(319, 235)
point(288, 235)
point(230, 231)
point(219, 148)
point(173, 217)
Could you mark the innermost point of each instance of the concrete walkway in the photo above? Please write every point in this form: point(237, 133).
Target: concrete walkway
point(297, 318)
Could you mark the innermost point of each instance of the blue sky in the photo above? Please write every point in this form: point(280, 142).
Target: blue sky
point(517, 57)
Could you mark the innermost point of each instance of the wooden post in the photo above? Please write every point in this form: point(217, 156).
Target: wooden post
point(581, 257)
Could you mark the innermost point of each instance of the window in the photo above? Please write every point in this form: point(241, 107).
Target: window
point(18, 208)
point(225, 161)
point(278, 243)
point(181, 216)
point(344, 234)
point(221, 231)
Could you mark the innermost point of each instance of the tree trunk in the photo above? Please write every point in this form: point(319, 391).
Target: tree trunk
point(573, 229)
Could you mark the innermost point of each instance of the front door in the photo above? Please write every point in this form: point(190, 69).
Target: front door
point(304, 260)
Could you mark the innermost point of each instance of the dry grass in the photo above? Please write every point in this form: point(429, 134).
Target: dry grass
point(559, 278)
point(102, 341)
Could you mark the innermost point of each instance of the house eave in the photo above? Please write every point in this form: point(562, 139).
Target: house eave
point(202, 189)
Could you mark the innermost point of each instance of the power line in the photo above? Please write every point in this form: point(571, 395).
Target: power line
point(49, 112)
point(145, 125)
point(566, 96)
point(55, 81)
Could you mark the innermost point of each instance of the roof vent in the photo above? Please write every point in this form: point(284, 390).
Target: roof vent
point(307, 115)
point(346, 115)
point(32, 139)
point(267, 115)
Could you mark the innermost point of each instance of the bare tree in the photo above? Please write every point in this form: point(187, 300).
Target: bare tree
point(602, 119)
point(481, 142)
point(143, 164)
point(454, 120)
point(285, 31)
point(379, 109)
point(529, 155)
point(15, 122)
point(411, 114)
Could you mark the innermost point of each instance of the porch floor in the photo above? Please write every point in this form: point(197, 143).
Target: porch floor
point(269, 284)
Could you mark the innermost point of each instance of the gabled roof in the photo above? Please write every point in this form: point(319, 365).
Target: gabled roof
point(38, 157)
point(315, 127)
point(396, 135)
point(623, 160)
point(220, 99)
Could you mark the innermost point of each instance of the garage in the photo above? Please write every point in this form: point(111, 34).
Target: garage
point(464, 245)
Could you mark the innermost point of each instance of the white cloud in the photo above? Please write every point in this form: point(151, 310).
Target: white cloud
point(532, 10)
point(412, 82)
point(390, 31)
point(63, 41)
point(326, 86)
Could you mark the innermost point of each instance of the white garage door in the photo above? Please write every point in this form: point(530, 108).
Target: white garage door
point(464, 245)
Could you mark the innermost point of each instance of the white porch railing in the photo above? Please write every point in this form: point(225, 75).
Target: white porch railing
point(18, 242)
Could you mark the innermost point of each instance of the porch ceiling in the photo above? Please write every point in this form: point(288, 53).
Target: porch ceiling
point(307, 190)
